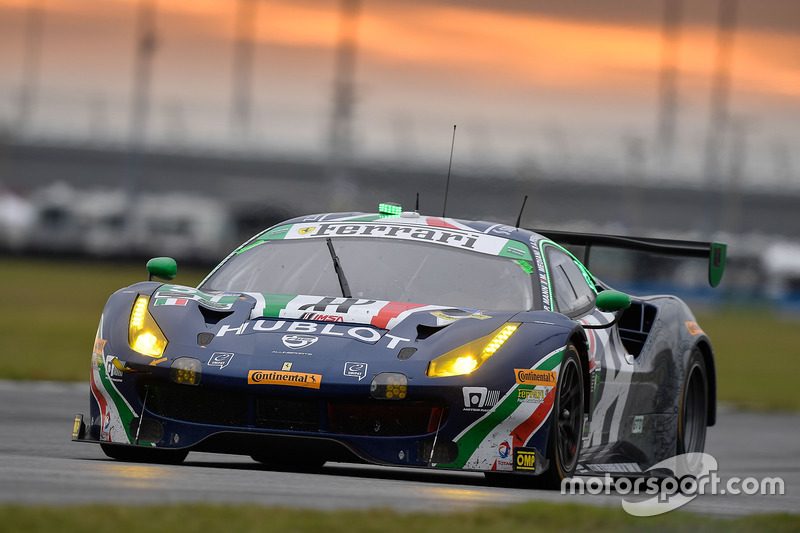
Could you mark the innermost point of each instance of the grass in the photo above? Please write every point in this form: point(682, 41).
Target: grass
point(756, 352)
point(49, 313)
point(540, 517)
point(50, 309)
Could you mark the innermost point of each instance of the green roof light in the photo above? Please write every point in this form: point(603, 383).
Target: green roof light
point(389, 208)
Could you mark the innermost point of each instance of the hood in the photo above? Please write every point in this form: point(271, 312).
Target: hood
point(381, 314)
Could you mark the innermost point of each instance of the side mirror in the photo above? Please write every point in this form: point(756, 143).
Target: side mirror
point(611, 301)
point(162, 267)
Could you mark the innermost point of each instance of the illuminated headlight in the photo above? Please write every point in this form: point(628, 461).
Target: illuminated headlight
point(144, 335)
point(186, 371)
point(389, 386)
point(469, 357)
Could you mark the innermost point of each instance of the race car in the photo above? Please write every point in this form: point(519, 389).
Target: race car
point(400, 339)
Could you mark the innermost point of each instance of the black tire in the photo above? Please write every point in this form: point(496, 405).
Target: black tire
point(131, 454)
point(566, 435)
point(693, 408)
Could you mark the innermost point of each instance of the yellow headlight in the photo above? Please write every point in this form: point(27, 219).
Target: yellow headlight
point(144, 335)
point(469, 357)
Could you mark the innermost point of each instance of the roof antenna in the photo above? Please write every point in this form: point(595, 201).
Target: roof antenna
point(416, 206)
point(449, 168)
point(521, 210)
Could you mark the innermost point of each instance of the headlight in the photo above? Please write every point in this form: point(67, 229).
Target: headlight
point(144, 335)
point(469, 357)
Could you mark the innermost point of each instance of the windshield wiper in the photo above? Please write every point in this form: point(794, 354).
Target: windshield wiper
point(339, 272)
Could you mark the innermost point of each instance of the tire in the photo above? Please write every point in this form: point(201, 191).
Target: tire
point(566, 434)
point(131, 454)
point(693, 408)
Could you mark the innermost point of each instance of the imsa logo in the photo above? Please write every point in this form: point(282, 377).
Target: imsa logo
point(525, 459)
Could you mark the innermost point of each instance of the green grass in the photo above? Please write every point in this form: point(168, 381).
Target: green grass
point(49, 313)
point(540, 517)
point(50, 309)
point(756, 353)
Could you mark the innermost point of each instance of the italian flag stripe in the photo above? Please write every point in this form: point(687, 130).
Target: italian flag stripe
point(469, 441)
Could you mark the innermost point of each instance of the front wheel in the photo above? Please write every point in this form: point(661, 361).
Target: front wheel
point(566, 428)
point(132, 454)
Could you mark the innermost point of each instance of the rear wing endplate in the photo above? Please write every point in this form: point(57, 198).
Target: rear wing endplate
point(714, 252)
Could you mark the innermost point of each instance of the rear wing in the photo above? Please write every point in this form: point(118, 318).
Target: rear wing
point(715, 252)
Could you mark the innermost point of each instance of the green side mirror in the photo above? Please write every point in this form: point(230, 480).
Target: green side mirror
point(162, 267)
point(612, 301)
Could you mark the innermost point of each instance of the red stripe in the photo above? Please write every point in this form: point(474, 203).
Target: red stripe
point(440, 223)
point(390, 311)
point(523, 432)
point(101, 400)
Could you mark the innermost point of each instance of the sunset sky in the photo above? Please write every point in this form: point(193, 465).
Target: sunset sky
point(568, 84)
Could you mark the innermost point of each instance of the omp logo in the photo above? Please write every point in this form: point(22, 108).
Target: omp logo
point(524, 459)
point(545, 378)
point(479, 398)
point(295, 342)
point(289, 379)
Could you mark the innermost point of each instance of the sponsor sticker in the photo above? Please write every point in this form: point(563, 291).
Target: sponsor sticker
point(479, 398)
point(638, 424)
point(114, 368)
point(531, 395)
point(355, 370)
point(504, 450)
point(322, 317)
point(525, 459)
point(280, 377)
point(220, 359)
point(526, 376)
point(296, 342)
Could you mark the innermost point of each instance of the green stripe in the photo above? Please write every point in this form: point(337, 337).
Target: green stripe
point(515, 250)
point(275, 303)
point(470, 441)
point(369, 218)
point(526, 266)
point(125, 414)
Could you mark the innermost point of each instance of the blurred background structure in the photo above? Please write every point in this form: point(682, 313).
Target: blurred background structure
point(180, 127)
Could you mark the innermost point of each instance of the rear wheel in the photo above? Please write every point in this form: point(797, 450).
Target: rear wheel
point(133, 454)
point(693, 413)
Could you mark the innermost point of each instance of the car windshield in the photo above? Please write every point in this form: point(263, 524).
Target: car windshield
point(380, 269)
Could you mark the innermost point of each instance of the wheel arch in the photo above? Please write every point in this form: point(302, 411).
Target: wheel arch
point(581, 343)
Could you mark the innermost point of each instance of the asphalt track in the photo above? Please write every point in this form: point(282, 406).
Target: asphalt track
point(39, 465)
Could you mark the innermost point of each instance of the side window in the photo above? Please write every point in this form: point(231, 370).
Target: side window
point(572, 294)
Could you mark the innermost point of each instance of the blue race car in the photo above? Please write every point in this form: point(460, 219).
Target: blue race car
point(406, 340)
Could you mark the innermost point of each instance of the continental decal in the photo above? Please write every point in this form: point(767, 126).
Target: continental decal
point(693, 329)
point(279, 377)
point(526, 376)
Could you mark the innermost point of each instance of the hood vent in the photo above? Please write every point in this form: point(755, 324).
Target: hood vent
point(213, 316)
point(423, 331)
point(406, 353)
